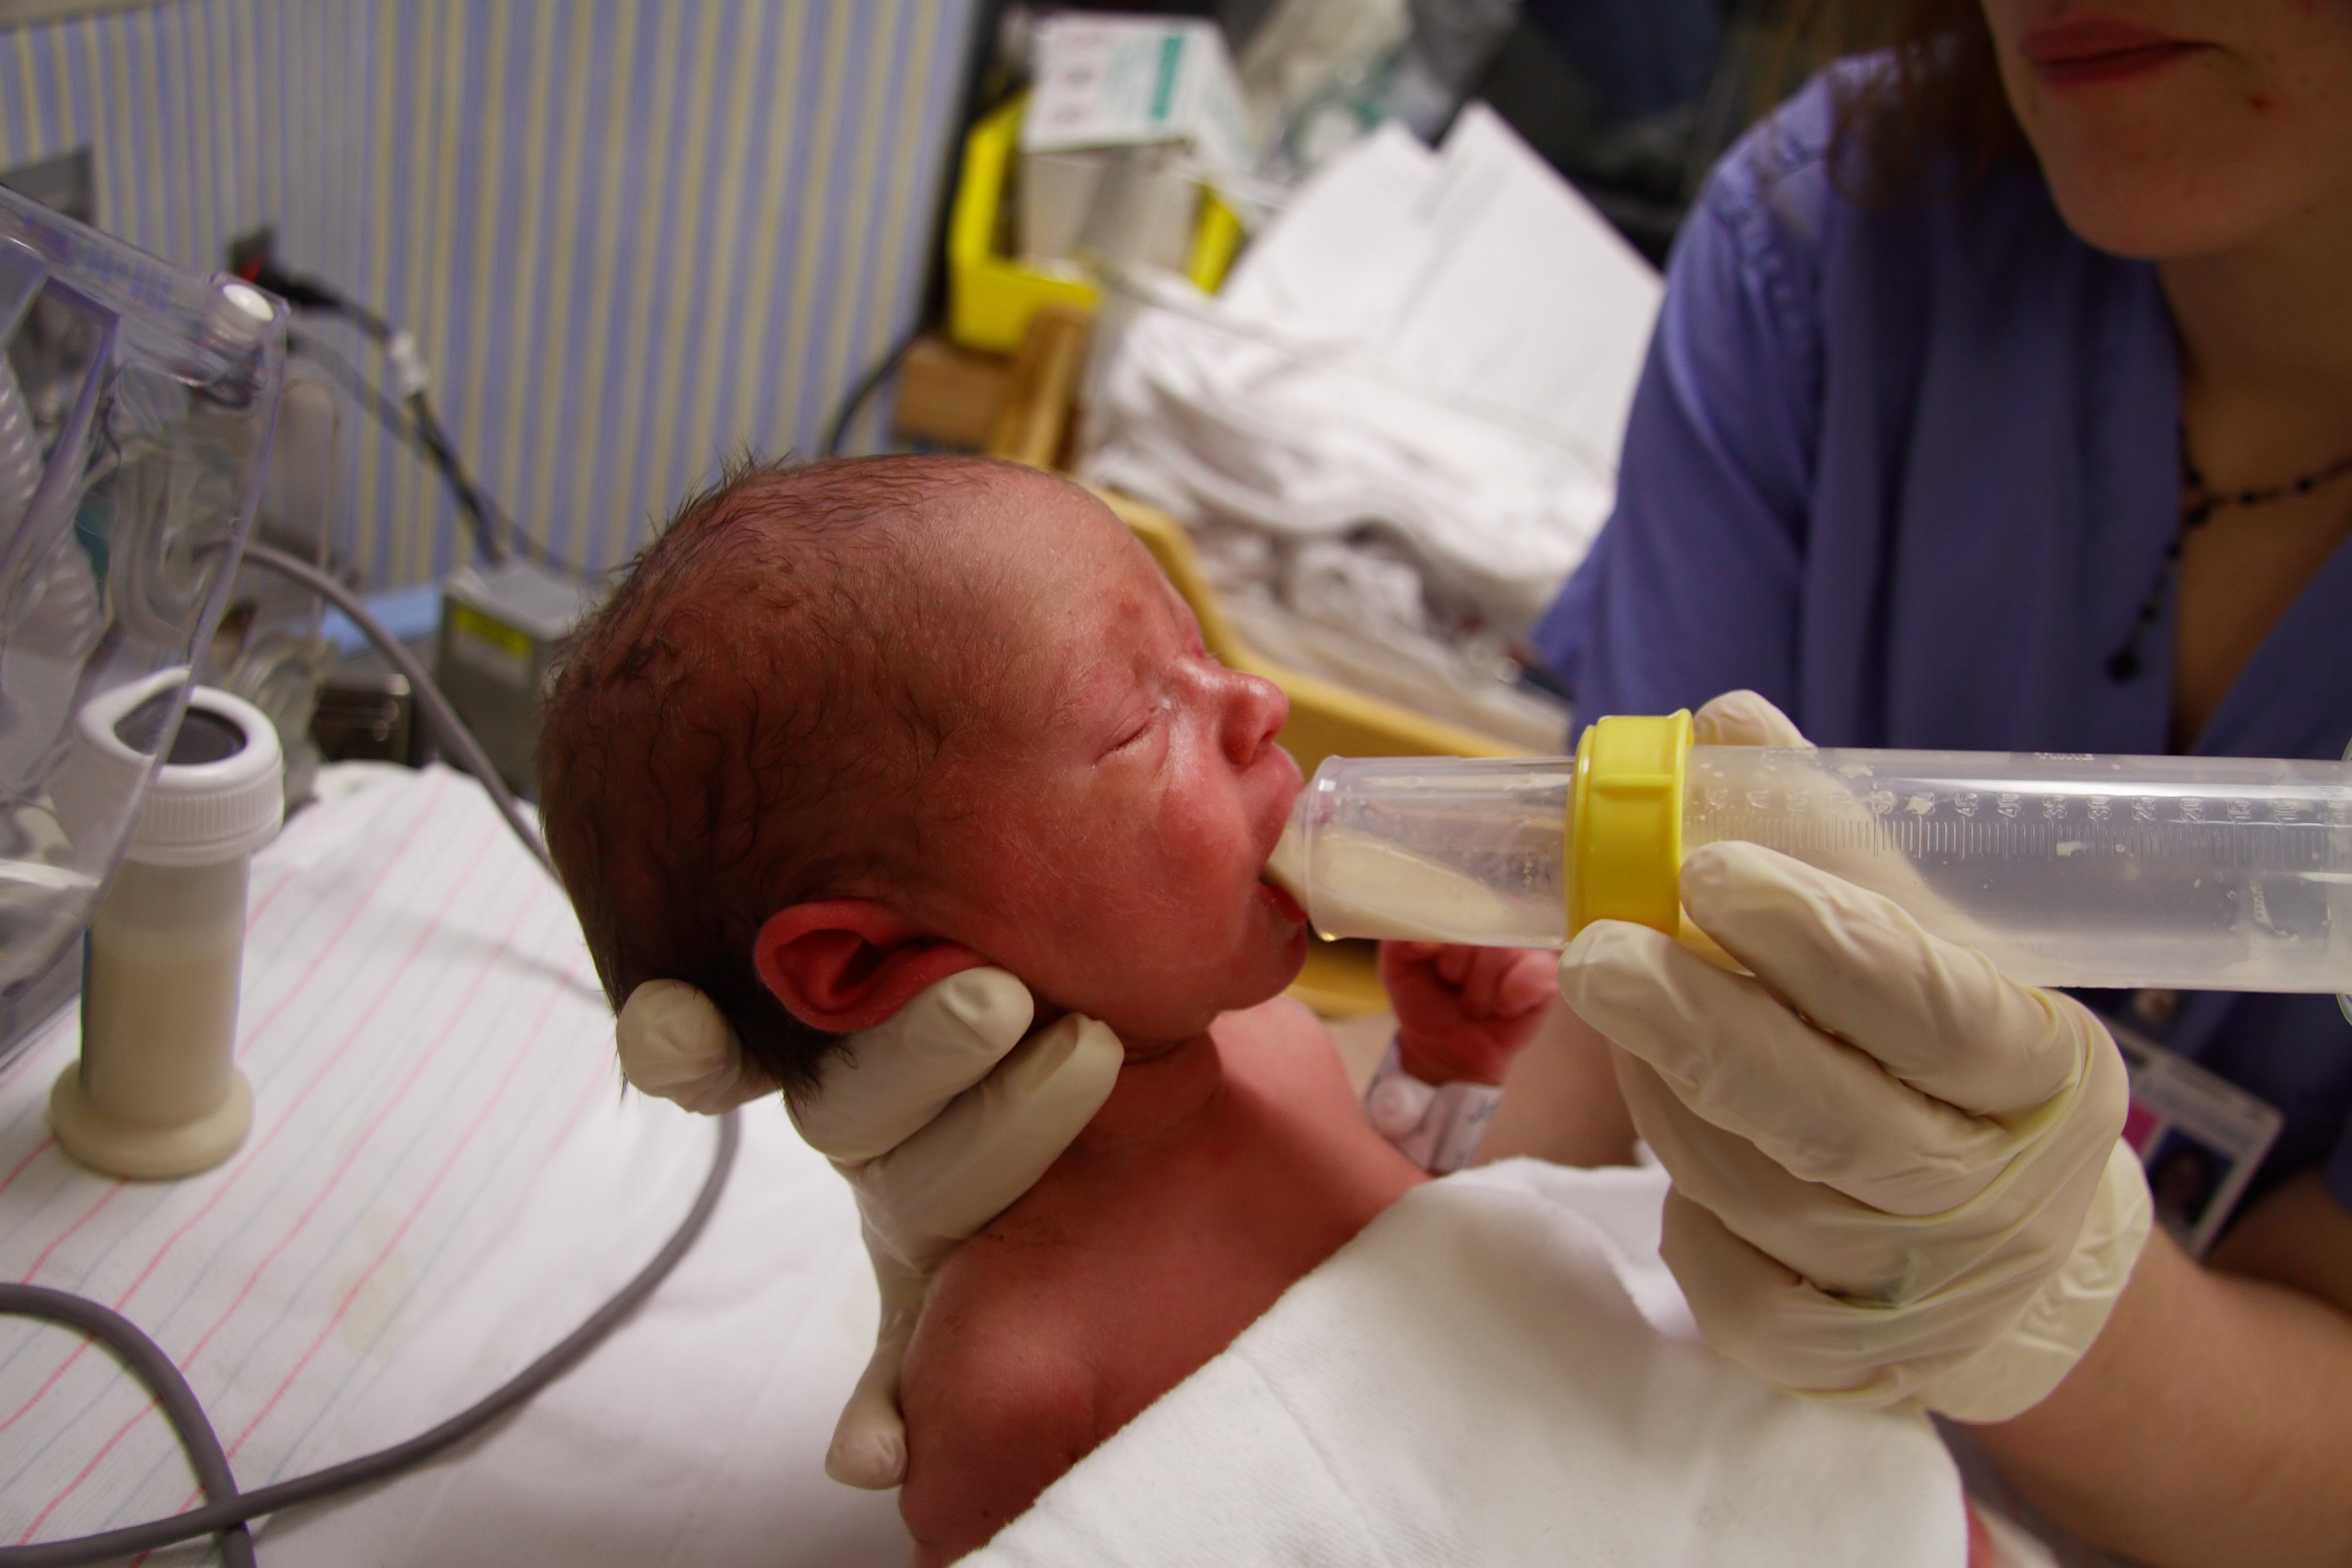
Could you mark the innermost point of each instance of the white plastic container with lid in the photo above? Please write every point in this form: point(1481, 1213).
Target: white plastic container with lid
point(2191, 873)
point(156, 1093)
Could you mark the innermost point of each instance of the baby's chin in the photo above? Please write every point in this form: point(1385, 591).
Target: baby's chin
point(1268, 973)
point(1184, 1008)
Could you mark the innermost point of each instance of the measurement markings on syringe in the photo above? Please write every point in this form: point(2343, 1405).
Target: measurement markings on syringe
point(2245, 842)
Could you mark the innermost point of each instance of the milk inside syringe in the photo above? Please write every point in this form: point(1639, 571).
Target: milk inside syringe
point(2186, 872)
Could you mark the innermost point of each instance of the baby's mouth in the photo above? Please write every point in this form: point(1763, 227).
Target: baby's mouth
point(1285, 903)
point(1285, 875)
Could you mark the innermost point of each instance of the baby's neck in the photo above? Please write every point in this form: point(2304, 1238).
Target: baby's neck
point(1159, 1091)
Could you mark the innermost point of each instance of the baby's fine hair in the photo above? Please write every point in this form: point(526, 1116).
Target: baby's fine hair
point(741, 726)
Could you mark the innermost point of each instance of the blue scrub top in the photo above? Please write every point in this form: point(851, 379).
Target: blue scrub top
point(1910, 471)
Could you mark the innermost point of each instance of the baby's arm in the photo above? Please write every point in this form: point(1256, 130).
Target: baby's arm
point(1463, 1013)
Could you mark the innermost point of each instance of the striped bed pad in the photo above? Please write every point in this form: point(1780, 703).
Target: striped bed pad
point(444, 1174)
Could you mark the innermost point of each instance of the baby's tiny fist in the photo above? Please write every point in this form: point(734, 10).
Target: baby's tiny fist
point(1463, 1013)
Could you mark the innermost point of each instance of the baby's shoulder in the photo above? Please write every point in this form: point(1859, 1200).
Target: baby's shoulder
point(1281, 1041)
point(996, 1410)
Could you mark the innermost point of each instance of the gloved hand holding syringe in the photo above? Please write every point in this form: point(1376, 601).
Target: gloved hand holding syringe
point(1896, 1169)
point(2193, 873)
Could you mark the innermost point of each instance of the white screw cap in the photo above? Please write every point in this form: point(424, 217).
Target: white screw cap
point(219, 794)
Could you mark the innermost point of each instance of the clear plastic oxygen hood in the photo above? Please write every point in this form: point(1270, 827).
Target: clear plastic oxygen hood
point(136, 407)
point(2207, 873)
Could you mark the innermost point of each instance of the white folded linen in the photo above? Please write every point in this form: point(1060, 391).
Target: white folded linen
point(1491, 1374)
point(1439, 348)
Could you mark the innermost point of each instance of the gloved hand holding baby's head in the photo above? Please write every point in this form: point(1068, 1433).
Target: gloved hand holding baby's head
point(853, 745)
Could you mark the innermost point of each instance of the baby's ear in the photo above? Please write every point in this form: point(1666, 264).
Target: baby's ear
point(846, 964)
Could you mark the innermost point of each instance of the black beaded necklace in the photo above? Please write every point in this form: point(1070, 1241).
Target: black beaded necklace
point(2198, 502)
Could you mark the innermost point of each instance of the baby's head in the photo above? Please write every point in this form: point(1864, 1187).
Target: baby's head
point(851, 727)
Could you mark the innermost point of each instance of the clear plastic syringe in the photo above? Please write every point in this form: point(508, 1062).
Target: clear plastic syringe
point(2200, 873)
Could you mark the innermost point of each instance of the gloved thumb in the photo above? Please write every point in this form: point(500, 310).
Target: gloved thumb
point(1744, 718)
point(869, 1442)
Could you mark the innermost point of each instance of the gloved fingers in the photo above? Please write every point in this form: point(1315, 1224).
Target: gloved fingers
point(675, 1045)
point(1744, 718)
point(869, 1442)
point(992, 1142)
point(1971, 1354)
point(1847, 1247)
point(896, 1077)
point(1740, 1059)
point(1939, 1015)
point(1761, 1314)
point(2020, 1369)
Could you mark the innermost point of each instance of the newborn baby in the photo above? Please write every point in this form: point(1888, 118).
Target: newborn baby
point(851, 728)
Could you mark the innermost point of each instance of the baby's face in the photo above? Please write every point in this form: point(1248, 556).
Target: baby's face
point(1101, 831)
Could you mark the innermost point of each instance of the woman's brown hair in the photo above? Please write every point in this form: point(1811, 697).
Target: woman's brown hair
point(1941, 93)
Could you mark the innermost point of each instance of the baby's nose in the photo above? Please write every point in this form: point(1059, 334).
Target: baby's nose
point(1256, 710)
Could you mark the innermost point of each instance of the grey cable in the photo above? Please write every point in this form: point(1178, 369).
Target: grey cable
point(443, 717)
point(31, 1301)
point(146, 1361)
point(227, 1509)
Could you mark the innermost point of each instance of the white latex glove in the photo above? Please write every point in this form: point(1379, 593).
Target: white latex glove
point(1897, 1174)
point(939, 1118)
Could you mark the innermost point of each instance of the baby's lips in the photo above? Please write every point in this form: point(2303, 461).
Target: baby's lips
point(1285, 902)
point(1286, 869)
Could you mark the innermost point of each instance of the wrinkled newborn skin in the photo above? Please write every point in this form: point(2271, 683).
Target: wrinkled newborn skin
point(1095, 817)
point(1217, 1175)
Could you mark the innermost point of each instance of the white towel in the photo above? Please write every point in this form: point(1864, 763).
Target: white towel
point(1471, 1380)
point(1443, 347)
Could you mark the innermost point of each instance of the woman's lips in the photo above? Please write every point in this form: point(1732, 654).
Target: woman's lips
point(2098, 49)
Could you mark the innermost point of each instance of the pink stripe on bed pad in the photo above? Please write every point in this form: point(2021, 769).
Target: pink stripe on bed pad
point(444, 1175)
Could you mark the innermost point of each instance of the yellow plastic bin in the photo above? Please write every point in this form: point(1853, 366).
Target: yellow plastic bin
point(991, 295)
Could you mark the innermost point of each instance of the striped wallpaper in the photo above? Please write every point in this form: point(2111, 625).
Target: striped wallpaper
point(628, 237)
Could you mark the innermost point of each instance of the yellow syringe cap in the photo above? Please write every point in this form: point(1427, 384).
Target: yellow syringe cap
point(1626, 823)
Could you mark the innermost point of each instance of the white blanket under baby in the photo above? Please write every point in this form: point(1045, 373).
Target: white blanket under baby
point(1498, 1371)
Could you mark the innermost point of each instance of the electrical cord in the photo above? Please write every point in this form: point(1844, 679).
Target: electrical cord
point(399, 422)
point(355, 385)
point(478, 509)
point(139, 1352)
point(838, 431)
point(443, 717)
point(226, 1508)
point(488, 526)
point(148, 1364)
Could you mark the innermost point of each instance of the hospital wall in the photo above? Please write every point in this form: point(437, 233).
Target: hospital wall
point(628, 237)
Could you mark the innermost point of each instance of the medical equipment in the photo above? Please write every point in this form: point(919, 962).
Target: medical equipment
point(501, 624)
point(155, 1093)
point(136, 408)
point(2208, 873)
point(136, 404)
point(503, 614)
point(1435, 1126)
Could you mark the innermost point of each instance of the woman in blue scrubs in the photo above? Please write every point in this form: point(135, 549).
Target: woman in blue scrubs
point(2002, 400)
